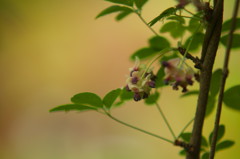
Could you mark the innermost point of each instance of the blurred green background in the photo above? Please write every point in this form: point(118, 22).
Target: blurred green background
point(53, 49)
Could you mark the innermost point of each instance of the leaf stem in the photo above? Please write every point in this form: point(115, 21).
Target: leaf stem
point(141, 130)
point(162, 52)
point(165, 120)
point(188, 46)
point(185, 127)
point(144, 21)
point(223, 81)
point(191, 13)
point(198, 18)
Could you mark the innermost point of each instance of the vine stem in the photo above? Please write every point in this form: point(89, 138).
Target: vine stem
point(144, 21)
point(188, 46)
point(185, 127)
point(191, 13)
point(223, 80)
point(141, 130)
point(165, 120)
point(162, 52)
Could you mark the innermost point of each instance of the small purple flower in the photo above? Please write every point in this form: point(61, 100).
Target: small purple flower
point(140, 81)
point(137, 97)
point(177, 75)
point(145, 95)
point(135, 80)
point(127, 88)
point(151, 84)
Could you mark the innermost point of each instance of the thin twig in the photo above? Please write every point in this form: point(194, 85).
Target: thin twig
point(185, 127)
point(141, 130)
point(165, 120)
point(144, 21)
point(195, 60)
point(223, 81)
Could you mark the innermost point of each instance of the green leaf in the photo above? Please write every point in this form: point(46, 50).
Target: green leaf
point(123, 2)
point(235, 41)
point(158, 43)
point(176, 29)
point(171, 56)
point(126, 95)
point(186, 136)
point(140, 3)
point(197, 41)
point(193, 25)
point(144, 53)
point(152, 98)
point(224, 145)
point(164, 14)
point(221, 132)
point(205, 155)
point(123, 14)
point(87, 98)
point(177, 18)
point(215, 82)
point(71, 107)
point(182, 153)
point(113, 9)
point(210, 106)
point(204, 142)
point(110, 98)
point(190, 93)
point(159, 80)
point(231, 97)
point(227, 25)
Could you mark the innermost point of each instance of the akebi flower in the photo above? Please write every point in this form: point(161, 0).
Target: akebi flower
point(176, 75)
point(140, 81)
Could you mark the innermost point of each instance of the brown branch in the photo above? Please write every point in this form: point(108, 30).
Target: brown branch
point(209, 50)
point(195, 60)
point(223, 81)
point(187, 147)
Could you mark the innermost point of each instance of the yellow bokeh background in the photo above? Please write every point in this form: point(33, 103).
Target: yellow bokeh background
point(53, 49)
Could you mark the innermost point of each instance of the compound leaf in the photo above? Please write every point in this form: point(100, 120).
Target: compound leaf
point(144, 53)
point(176, 29)
point(72, 107)
point(235, 41)
point(205, 155)
point(215, 82)
point(140, 3)
point(111, 97)
point(113, 9)
point(123, 2)
point(197, 41)
point(152, 99)
point(231, 97)
point(224, 145)
point(164, 14)
point(123, 14)
point(87, 98)
point(221, 132)
point(190, 93)
point(227, 25)
point(158, 43)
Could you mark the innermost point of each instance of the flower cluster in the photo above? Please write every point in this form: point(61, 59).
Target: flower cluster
point(140, 81)
point(177, 76)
